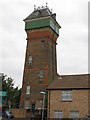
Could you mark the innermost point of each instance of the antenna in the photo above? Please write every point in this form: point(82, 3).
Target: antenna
point(51, 10)
point(46, 5)
point(42, 7)
point(34, 7)
point(38, 8)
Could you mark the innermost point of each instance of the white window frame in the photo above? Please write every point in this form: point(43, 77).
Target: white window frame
point(30, 59)
point(58, 114)
point(74, 116)
point(28, 89)
point(66, 95)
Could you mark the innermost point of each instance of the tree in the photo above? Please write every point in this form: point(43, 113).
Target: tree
point(13, 94)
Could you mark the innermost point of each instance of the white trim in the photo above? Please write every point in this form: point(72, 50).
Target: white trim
point(36, 19)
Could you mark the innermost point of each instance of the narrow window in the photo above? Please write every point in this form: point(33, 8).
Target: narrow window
point(41, 73)
point(28, 90)
point(29, 59)
point(42, 44)
point(39, 104)
point(67, 95)
point(27, 105)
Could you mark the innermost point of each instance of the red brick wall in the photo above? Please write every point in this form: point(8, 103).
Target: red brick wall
point(42, 59)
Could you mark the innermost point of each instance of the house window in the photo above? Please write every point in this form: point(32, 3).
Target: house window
point(74, 114)
point(28, 90)
point(27, 105)
point(58, 114)
point(66, 95)
point(42, 44)
point(29, 59)
point(41, 73)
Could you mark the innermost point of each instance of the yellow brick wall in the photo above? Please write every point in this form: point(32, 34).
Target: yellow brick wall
point(79, 103)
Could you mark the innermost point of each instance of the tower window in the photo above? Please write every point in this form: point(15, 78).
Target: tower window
point(29, 59)
point(41, 73)
point(42, 44)
point(27, 105)
point(28, 90)
point(39, 104)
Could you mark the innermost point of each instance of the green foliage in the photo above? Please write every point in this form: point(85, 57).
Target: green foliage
point(13, 94)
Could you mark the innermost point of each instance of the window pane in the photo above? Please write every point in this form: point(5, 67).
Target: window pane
point(29, 59)
point(39, 103)
point(57, 114)
point(74, 114)
point(28, 90)
point(27, 104)
point(41, 73)
point(42, 44)
point(66, 95)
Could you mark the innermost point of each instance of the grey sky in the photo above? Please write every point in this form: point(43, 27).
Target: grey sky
point(72, 48)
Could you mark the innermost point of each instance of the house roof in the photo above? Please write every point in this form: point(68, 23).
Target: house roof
point(70, 81)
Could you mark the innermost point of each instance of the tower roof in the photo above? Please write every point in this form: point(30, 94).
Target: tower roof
point(42, 17)
point(41, 12)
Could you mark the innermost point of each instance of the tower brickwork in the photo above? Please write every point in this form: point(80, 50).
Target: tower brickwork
point(40, 61)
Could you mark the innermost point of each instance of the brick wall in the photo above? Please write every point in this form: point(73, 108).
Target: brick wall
point(19, 113)
point(79, 103)
point(42, 59)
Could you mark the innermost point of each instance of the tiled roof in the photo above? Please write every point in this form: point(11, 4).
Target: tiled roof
point(71, 81)
point(40, 13)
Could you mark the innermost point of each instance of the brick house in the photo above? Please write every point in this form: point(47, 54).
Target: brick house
point(69, 97)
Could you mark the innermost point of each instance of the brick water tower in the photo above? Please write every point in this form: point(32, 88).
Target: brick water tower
point(40, 62)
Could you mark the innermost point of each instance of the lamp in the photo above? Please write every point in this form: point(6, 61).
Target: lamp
point(43, 93)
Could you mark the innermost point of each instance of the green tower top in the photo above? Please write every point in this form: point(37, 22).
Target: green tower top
point(40, 18)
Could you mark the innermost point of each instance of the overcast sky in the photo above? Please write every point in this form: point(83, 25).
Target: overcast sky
point(72, 47)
